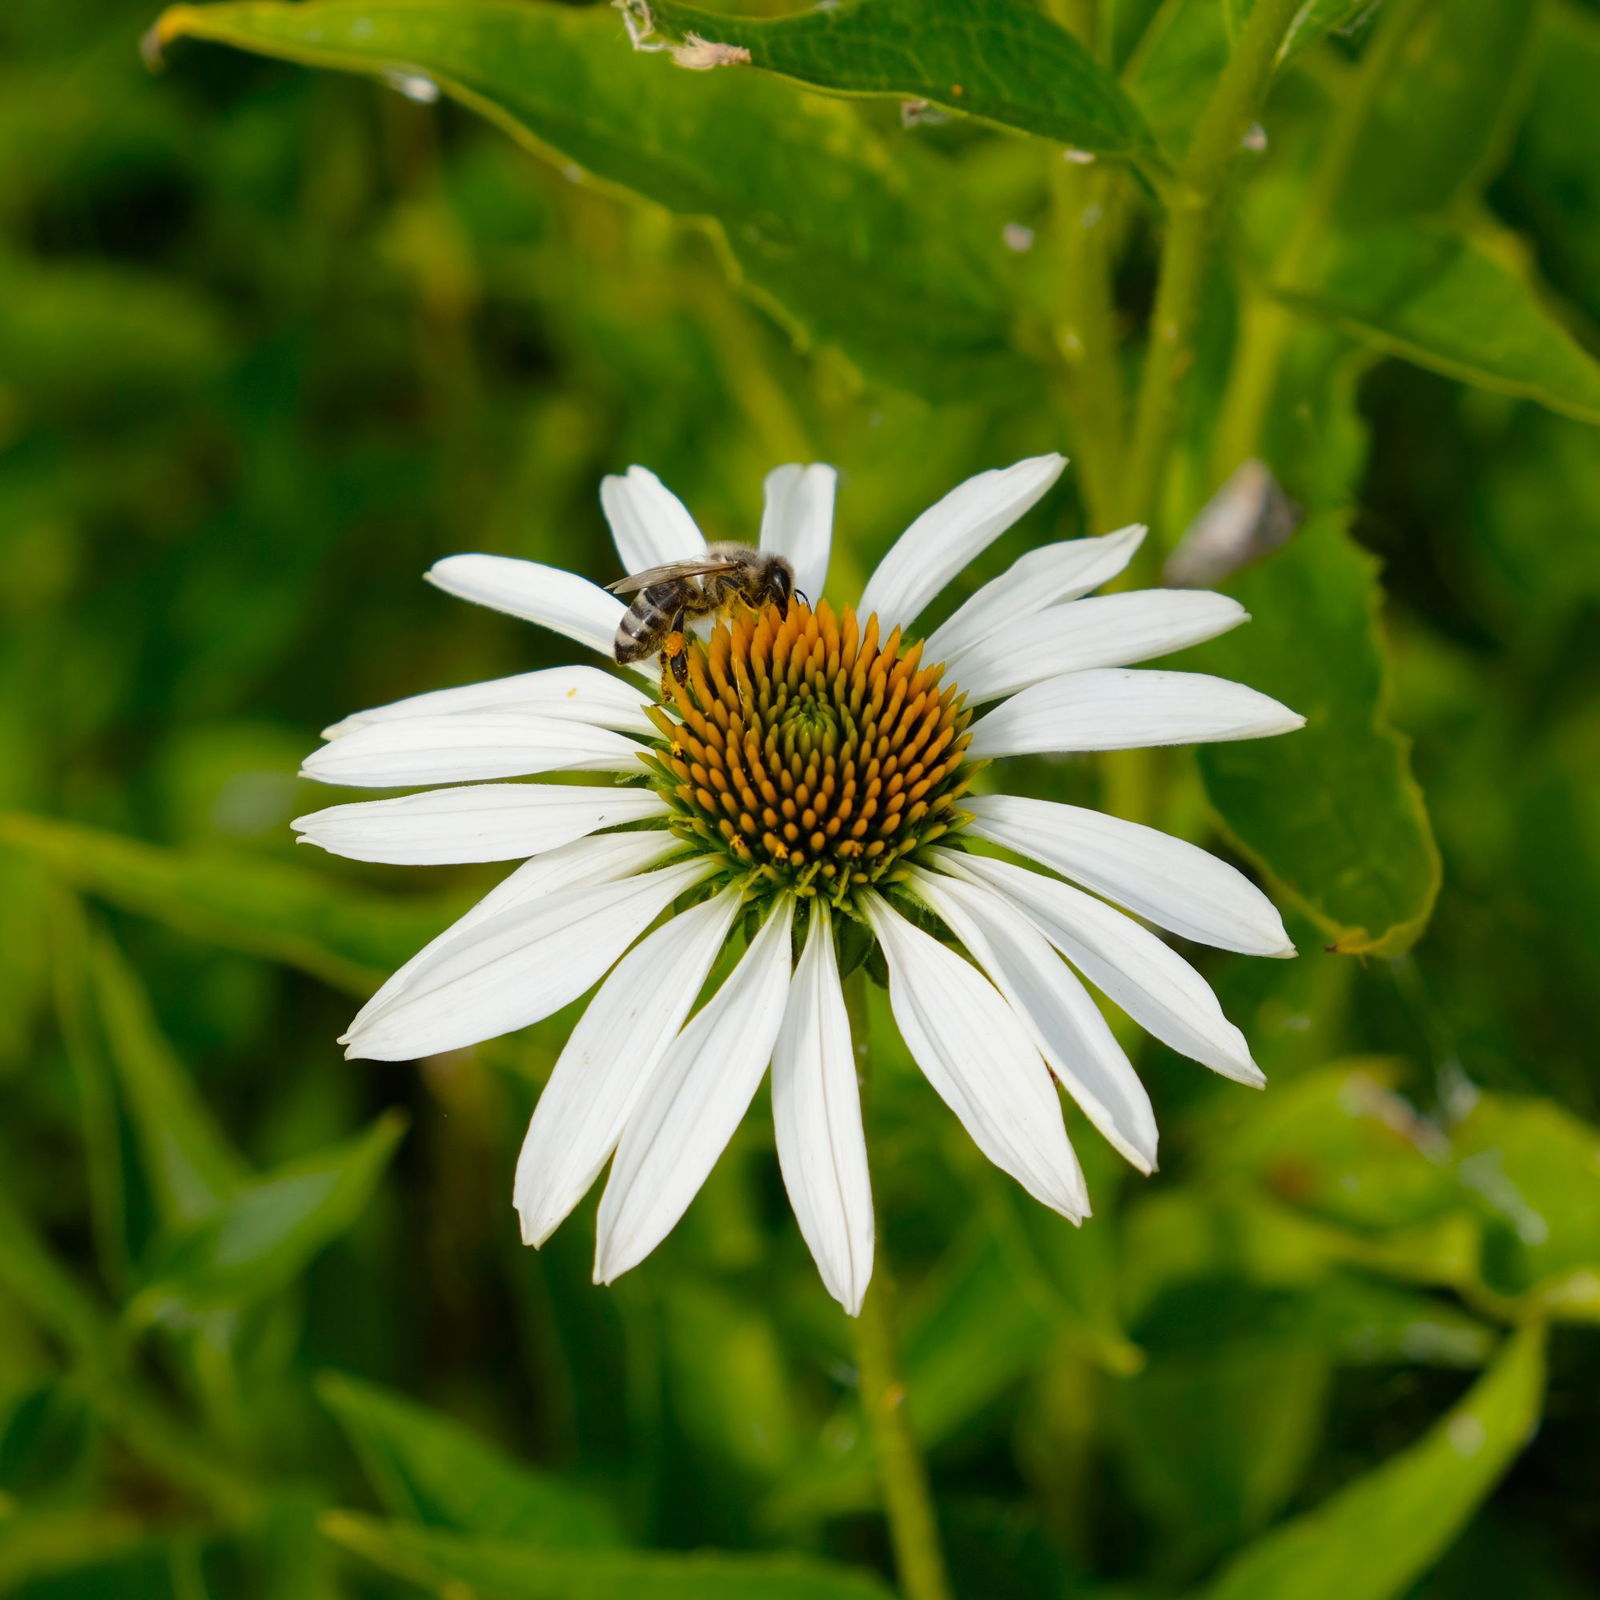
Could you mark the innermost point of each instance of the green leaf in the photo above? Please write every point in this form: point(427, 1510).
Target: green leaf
point(993, 60)
point(1214, 1440)
point(1532, 1171)
point(1342, 1145)
point(1510, 1194)
point(262, 1239)
point(1553, 186)
point(36, 1281)
point(1437, 123)
point(1321, 18)
point(878, 258)
point(189, 1164)
point(1072, 1271)
point(1459, 303)
point(731, 1379)
point(284, 914)
point(517, 1572)
point(1331, 812)
point(95, 1553)
point(1303, 1290)
point(45, 1440)
point(1176, 65)
point(86, 1050)
point(1373, 1538)
point(428, 1469)
point(1182, 53)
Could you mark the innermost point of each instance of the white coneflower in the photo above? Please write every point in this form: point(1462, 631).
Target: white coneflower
point(813, 768)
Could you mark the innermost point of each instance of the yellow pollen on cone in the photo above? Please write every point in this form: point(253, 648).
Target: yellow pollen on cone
point(810, 752)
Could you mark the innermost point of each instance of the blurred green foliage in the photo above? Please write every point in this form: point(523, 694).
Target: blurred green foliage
point(272, 340)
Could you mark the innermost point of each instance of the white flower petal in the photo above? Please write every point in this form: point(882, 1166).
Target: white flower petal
point(980, 1060)
point(558, 600)
point(486, 822)
point(797, 522)
point(581, 694)
point(1125, 961)
point(1168, 881)
point(1109, 630)
point(1058, 1011)
point(649, 522)
point(609, 1057)
point(515, 968)
point(1126, 708)
point(586, 861)
point(1044, 577)
point(948, 535)
point(694, 1101)
point(463, 746)
point(816, 1115)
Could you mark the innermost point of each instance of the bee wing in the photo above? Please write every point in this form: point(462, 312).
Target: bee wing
point(673, 569)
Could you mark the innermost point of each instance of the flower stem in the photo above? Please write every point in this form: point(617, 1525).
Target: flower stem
point(902, 1472)
point(1192, 224)
point(1268, 322)
point(1086, 333)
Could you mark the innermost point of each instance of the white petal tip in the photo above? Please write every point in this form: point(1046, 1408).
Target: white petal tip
point(607, 1267)
point(358, 1048)
point(1074, 1207)
point(534, 1232)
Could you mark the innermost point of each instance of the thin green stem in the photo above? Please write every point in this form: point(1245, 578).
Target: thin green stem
point(1085, 328)
point(1195, 203)
point(1268, 322)
point(1086, 333)
point(902, 1473)
point(901, 1470)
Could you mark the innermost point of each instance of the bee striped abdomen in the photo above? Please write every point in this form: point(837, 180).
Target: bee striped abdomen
point(646, 623)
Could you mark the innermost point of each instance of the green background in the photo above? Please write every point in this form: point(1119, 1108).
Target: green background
point(272, 340)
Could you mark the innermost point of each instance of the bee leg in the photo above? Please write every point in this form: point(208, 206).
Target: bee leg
point(677, 654)
point(674, 656)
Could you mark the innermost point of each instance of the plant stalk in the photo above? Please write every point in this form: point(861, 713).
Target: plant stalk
point(1267, 322)
point(1086, 333)
point(902, 1472)
point(1194, 204)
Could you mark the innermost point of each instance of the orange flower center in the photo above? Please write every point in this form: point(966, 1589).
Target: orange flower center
point(808, 752)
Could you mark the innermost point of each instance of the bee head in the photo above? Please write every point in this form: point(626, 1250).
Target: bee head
point(780, 588)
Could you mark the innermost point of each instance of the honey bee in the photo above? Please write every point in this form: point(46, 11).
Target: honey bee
point(666, 597)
